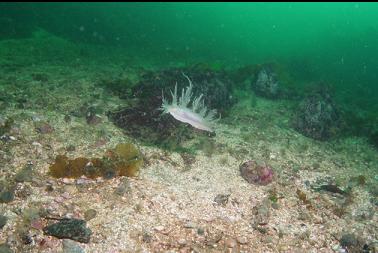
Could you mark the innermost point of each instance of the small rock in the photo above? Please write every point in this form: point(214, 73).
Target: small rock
point(159, 228)
point(262, 213)
point(69, 189)
point(43, 127)
point(189, 225)
point(222, 199)
point(90, 214)
point(348, 240)
point(146, 237)
point(181, 242)
point(73, 229)
point(25, 174)
point(200, 231)
point(3, 221)
point(124, 187)
point(242, 240)
point(6, 196)
point(91, 116)
point(70, 246)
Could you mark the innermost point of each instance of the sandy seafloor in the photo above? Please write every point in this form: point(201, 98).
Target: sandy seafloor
point(170, 206)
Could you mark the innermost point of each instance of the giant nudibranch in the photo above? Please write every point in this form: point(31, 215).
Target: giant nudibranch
point(197, 115)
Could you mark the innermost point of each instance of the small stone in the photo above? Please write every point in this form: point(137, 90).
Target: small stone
point(43, 127)
point(25, 174)
point(222, 199)
point(200, 231)
point(26, 239)
point(73, 229)
point(90, 214)
point(91, 116)
point(262, 213)
point(189, 225)
point(124, 187)
point(242, 240)
point(146, 237)
point(70, 246)
point(69, 190)
point(6, 196)
point(68, 180)
point(3, 221)
point(181, 242)
point(159, 228)
point(348, 240)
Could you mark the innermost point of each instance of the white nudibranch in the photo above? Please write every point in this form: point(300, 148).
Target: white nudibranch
point(197, 115)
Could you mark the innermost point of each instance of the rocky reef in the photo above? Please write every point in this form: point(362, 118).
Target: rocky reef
point(144, 121)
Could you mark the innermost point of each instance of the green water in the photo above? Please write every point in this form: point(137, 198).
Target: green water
point(331, 42)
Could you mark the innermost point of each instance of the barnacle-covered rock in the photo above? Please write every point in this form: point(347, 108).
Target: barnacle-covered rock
point(318, 116)
point(266, 83)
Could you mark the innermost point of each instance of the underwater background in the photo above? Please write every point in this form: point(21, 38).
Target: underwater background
point(81, 91)
point(335, 43)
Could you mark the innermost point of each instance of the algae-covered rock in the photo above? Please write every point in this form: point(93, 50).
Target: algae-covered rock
point(6, 196)
point(25, 174)
point(266, 83)
point(73, 229)
point(318, 116)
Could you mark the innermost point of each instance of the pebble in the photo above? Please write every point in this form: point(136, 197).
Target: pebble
point(159, 228)
point(36, 144)
point(3, 221)
point(181, 242)
point(189, 225)
point(70, 246)
point(44, 127)
point(68, 180)
point(70, 190)
point(222, 199)
point(242, 240)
